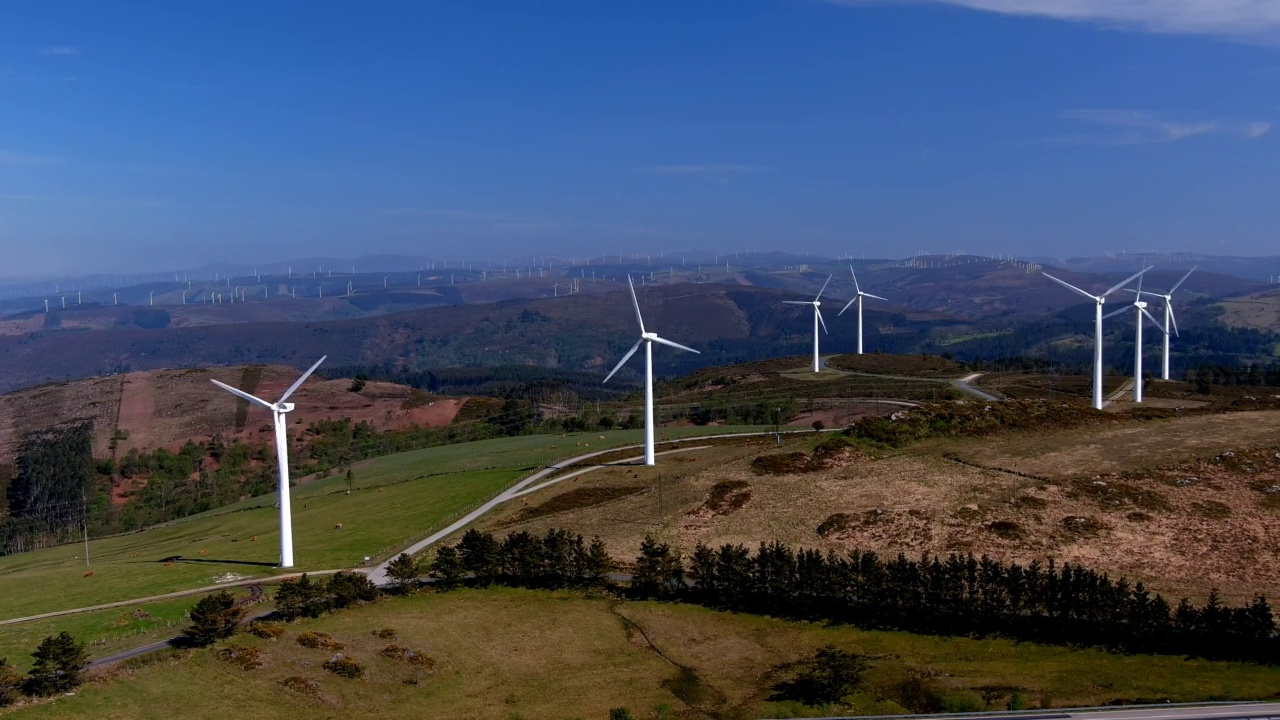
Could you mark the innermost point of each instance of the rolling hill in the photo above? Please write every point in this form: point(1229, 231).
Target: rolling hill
point(166, 408)
point(728, 323)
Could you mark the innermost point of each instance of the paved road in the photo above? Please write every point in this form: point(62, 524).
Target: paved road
point(379, 574)
point(1120, 392)
point(964, 384)
point(166, 596)
point(1226, 711)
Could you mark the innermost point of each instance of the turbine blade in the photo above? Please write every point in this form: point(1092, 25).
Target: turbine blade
point(1126, 281)
point(298, 383)
point(824, 288)
point(1174, 319)
point(624, 360)
point(676, 345)
point(635, 303)
point(849, 305)
point(855, 279)
point(1116, 312)
point(1184, 279)
point(1140, 282)
point(243, 394)
point(797, 302)
point(876, 297)
point(1070, 287)
point(820, 320)
point(1154, 320)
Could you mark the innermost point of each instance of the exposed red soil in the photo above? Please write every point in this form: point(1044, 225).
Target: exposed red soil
point(166, 408)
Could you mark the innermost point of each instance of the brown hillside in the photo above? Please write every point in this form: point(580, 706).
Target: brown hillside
point(1184, 505)
point(166, 408)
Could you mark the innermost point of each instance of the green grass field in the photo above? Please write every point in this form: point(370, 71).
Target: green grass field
point(105, 631)
point(397, 500)
point(505, 654)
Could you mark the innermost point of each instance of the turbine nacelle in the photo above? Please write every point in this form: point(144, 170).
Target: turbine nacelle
point(278, 410)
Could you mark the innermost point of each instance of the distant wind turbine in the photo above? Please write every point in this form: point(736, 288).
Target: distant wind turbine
point(1140, 308)
point(817, 319)
point(1170, 322)
point(1099, 301)
point(647, 339)
point(858, 299)
point(279, 409)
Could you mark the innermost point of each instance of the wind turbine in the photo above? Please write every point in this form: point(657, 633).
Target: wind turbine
point(647, 339)
point(1170, 322)
point(1099, 301)
point(1140, 308)
point(858, 299)
point(817, 319)
point(279, 409)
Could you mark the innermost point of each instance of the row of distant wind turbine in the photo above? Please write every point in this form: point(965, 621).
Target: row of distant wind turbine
point(1169, 327)
point(817, 313)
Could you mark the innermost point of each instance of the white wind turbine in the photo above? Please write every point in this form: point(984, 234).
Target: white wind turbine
point(1140, 309)
point(279, 410)
point(647, 339)
point(1170, 322)
point(1099, 300)
point(858, 299)
point(817, 319)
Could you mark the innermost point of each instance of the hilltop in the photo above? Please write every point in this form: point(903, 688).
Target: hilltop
point(167, 408)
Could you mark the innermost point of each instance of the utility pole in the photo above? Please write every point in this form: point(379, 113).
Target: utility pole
point(85, 504)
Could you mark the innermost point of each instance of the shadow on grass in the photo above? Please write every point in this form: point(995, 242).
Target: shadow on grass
point(211, 561)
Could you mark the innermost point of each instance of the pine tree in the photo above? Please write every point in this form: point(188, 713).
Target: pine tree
point(480, 556)
point(826, 679)
point(404, 571)
point(346, 589)
point(213, 618)
point(301, 598)
point(59, 663)
point(446, 568)
point(598, 564)
point(659, 570)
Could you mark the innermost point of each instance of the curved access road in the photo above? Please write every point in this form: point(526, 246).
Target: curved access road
point(378, 574)
point(965, 384)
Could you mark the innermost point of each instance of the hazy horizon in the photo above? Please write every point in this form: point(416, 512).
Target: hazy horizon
point(144, 138)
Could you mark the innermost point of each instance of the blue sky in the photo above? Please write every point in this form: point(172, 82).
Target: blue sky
point(157, 135)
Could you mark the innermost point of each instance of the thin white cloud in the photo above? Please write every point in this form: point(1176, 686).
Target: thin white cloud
point(1134, 127)
point(61, 51)
point(704, 169)
point(1237, 18)
point(27, 159)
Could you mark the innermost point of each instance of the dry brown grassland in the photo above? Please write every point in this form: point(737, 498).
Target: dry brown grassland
point(1184, 505)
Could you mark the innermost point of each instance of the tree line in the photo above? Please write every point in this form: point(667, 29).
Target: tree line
point(953, 595)
point(50, 493)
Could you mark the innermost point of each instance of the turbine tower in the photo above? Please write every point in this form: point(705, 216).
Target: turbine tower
point(279, 410)
point(1170, 322)
point(1098, 300)
point(1140, 310)
point(858, 299)
point(817, 319)
point(647, 339)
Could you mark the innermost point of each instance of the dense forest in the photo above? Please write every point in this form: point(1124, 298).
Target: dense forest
point(952, 595)
point(51, 492)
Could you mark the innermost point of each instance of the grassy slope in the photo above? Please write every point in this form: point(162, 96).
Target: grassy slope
point(106, 631)
point(398, 499)
point(510, 653)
